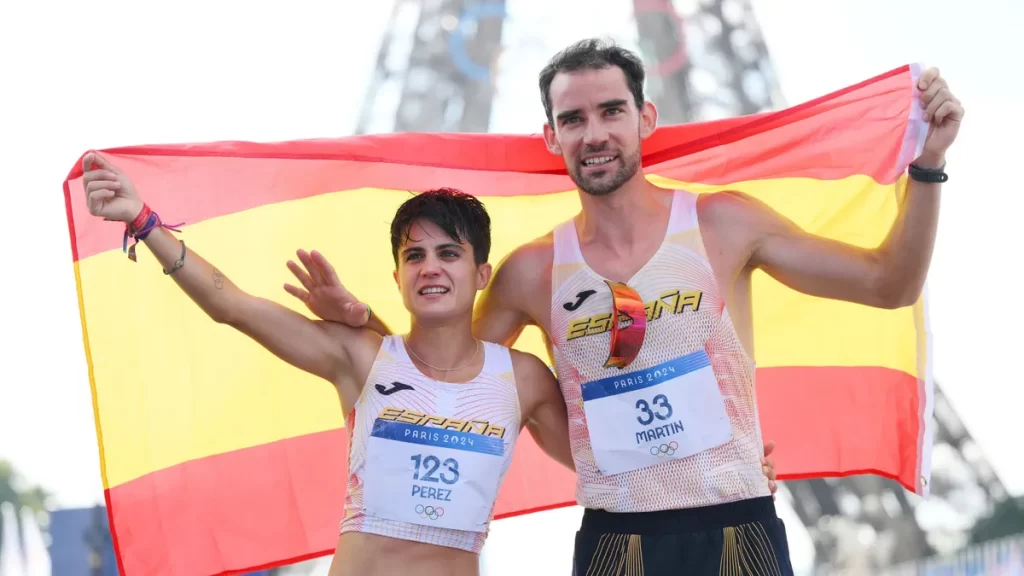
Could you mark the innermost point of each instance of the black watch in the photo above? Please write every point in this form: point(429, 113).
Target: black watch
point(931, 175)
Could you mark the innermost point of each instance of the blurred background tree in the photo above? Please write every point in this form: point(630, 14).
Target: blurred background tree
point(19, 492)
point(1007, 519)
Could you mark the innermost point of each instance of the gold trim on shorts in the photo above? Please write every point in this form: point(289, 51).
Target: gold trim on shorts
point(746, 551)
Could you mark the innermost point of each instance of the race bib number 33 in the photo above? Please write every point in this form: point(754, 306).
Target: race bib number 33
point(430, 476)
point(646, 417)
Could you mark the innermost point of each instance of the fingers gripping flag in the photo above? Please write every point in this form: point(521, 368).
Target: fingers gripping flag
point(219, 458)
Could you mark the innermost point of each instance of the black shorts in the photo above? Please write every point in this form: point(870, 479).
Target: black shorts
point(739, 538)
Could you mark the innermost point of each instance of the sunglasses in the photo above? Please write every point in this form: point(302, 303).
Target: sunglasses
point(628, 311)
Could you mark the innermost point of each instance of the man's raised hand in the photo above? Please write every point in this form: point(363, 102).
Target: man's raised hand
point(323, 293)
point(944, 112)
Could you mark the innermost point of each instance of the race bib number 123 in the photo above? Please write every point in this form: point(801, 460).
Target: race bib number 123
point(430, 476)
point(646, 417)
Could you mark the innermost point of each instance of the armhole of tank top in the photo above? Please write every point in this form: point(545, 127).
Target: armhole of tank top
point(566, 250)
point(566, 244)
point(497, 358)
point(502, 364)
point(390, 344)
point(684, 211)
point(396, 345)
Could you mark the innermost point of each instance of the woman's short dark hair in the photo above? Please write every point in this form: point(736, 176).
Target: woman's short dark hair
point(461, 216)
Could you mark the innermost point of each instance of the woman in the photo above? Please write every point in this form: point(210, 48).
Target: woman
point(434, 415)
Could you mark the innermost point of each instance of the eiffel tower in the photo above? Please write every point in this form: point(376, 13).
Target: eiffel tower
point(420, 83)
point(863, 524)
point(436, 72)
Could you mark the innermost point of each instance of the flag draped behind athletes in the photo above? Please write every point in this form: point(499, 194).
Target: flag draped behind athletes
point(217, 457)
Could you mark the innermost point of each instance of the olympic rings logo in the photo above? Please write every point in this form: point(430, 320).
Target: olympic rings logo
point(430, 512)
point(473, 14)
point(665, 449)
point(457, 42)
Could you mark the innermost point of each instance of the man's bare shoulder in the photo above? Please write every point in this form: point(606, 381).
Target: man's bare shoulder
point(535, 255)
point(527, 365)
point(727, 207)
point(534, 381)
point(736, 210)
point(735, 226)
point(516, 294)
point(528, 266)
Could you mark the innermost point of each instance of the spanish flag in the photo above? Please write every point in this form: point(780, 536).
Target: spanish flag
point(219, 458)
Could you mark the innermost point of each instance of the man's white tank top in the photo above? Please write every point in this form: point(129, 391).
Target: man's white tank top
point(426, 458)
point(678, 427)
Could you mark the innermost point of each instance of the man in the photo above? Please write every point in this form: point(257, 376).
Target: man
point(665, 434)
point(434, 415)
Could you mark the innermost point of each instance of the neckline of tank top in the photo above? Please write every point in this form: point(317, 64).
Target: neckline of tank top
point(672, 219)
point(408, 359)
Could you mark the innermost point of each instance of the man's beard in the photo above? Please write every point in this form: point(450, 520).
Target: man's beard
point(603, 184)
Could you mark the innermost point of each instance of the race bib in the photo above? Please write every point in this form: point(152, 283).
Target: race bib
point(646, 417)
point(430, 476)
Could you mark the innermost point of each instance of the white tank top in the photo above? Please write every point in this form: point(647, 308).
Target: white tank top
point(426, 458)
point(678, 427)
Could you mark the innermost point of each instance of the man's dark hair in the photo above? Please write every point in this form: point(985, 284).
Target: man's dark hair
point(593, 54)
point(461, 216)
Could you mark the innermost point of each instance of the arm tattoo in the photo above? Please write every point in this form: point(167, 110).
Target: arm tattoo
point(218, 279)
